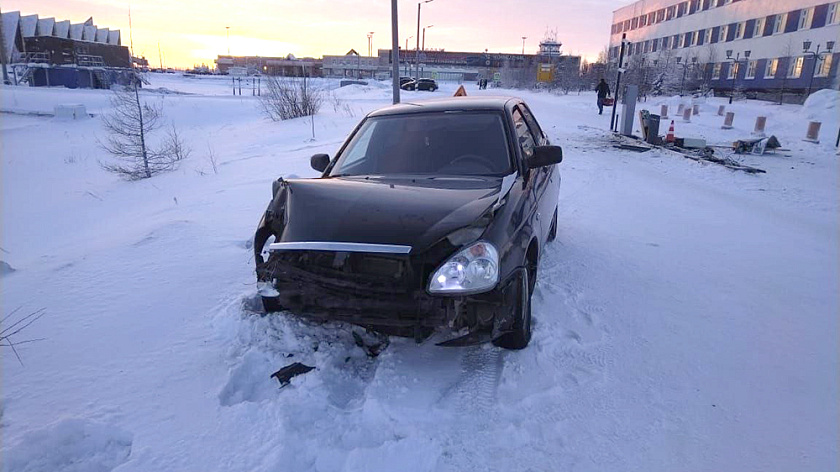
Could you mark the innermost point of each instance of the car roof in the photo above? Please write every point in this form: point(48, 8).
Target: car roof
point(447, 104)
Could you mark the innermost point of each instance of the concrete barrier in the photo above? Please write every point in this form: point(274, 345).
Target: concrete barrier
point(760, 123)
point(687, 115)
point(680, 109)
point(663, 112)
point(813, 134)
point(70, 112)
point(721, 109)
point(695, 109)
point(727, 122)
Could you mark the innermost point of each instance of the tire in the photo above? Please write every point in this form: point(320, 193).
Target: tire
point(271, 304)
point(552, 233)
point(520, 336)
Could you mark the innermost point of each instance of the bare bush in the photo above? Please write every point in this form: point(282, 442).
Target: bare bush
point(129, 125)
point(287, 98)
point(16, 327)
point(211, 157)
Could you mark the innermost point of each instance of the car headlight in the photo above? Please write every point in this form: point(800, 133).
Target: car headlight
point(471, 270)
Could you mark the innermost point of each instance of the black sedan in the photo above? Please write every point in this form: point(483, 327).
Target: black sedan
point(420, 84)
point(431, 216)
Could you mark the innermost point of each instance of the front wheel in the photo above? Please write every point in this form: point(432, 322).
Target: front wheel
point(520, 335)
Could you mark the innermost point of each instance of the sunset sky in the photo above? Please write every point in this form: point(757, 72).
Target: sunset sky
point(193, 31)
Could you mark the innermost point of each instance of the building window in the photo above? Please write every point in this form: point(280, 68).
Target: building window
point(758, 29)
point(672, 10)
point(733, 70)
point(676, 41)
point(778, 23)
point(751, 67)
point(805, 16)
point(716, 71)
point(708, 38)
point(795, 67)
point(643, 20)
point(739, 31)
point(722, 33)
point(831, 14)
point(695, 36)
point(823, 65)
point(770, 68)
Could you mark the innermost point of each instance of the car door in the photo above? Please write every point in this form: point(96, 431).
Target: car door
point(548, 178)
point(526, 144)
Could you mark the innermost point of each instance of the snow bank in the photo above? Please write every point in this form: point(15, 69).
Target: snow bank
point(72, 445)
point(823, 106)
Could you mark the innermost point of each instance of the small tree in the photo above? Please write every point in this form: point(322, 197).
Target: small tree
point(129, 125)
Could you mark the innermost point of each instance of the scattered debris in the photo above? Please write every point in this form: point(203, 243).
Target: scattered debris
point(630, 147)
point(372, 347)
point(707, 154)
point(756, 146)
point(284, 375)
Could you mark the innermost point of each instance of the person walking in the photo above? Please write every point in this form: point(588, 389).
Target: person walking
point(603, 92)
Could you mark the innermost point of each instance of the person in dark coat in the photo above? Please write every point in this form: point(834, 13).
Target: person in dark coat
point(603, 92)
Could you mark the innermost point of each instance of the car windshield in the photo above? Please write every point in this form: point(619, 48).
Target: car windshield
point(462, 143)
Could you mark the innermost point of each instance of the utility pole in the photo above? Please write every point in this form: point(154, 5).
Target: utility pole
point(523, 44)
point(395, 54)
point(160, 57)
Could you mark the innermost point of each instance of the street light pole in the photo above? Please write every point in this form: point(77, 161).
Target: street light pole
point(806, 45)
point(227, 30)
point(407, 60)
point(417, 47)
point(523, 44)
point(423, 45)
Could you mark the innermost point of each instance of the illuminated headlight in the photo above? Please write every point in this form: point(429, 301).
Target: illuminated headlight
point(472, 270)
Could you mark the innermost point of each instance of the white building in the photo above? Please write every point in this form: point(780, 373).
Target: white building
point(758, 45)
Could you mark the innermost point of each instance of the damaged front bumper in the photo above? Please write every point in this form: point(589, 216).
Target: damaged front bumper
point(384, 296)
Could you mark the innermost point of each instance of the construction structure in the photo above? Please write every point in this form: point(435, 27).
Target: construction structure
point(45, 52)
point(286, 66)
point(731, 46)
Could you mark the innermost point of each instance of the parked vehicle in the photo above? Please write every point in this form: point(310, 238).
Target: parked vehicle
point(420, 84)
point(431, 216)
point(405, 80)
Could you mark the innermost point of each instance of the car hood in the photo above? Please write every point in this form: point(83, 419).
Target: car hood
point(414, 212)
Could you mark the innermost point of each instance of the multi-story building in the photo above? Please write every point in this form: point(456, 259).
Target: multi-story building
point(758, 45)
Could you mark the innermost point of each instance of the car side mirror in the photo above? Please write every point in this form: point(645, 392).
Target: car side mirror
point(320, 162)
point(545, 156)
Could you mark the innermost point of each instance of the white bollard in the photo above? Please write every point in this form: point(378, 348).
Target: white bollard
point(813, 134)
point(687, 115)
point(663, 111)
point(721, 109)
point(760, 123)
point(695, 109)
point(727, 122)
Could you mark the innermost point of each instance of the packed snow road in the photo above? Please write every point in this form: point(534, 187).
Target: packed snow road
point(684, 319)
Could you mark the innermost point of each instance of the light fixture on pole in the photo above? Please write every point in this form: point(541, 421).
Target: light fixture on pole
point(806, 46)
point(417, 47)
point(735, 66)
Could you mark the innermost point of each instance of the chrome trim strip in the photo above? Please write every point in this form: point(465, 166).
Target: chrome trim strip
point(340, 247)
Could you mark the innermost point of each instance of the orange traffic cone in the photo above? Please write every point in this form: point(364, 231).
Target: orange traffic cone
point(669, 138)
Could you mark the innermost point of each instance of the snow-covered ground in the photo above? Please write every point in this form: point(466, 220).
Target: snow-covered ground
point(686, 318)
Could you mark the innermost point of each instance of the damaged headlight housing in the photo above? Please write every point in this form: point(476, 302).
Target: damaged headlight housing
point(473, 269)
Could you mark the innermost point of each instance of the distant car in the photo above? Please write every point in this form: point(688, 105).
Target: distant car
point(431, 216)
point(421, 84)
point(405, 80)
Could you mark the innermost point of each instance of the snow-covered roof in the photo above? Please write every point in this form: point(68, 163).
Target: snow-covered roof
point(11, 21)
point(102, 35)
point(89, 33)
point(28, 25)
point(45, 27)
point(114, 37)
point(62, 29)
point(76, 31)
